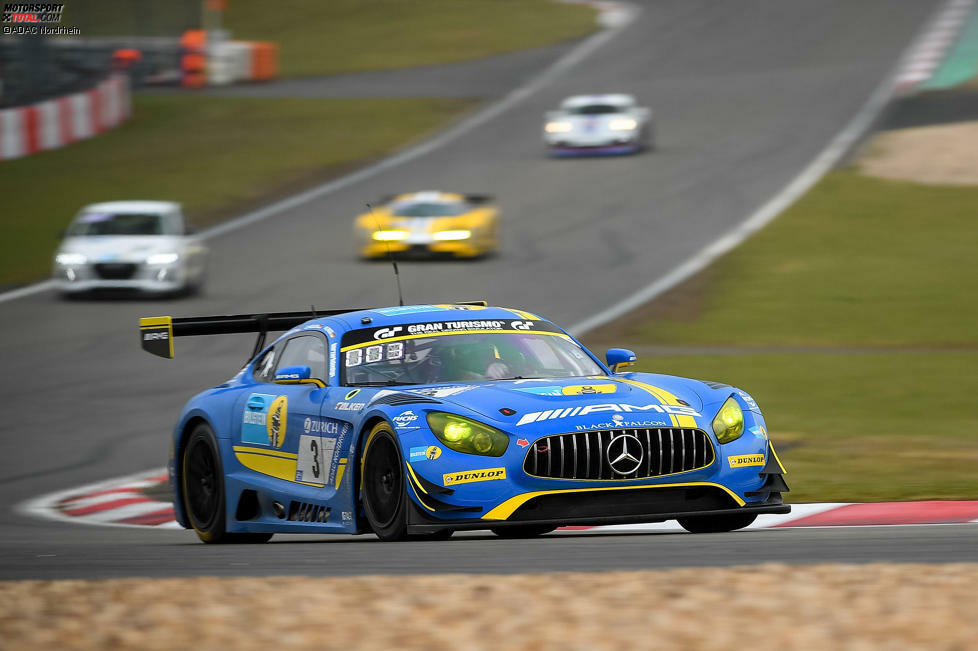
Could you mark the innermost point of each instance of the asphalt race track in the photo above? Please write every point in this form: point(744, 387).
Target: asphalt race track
point(745, 94)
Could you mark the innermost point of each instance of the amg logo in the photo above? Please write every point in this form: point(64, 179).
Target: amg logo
point(551, 414)
point(153, 336)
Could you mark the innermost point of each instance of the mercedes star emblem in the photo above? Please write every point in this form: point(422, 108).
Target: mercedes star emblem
point(625, 454)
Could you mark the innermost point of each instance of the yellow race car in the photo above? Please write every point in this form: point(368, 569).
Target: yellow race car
point(429, 224)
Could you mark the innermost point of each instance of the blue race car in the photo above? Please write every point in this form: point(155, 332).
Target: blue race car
point(423, 420)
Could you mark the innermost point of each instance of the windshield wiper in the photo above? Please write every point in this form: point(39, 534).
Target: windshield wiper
point(380, 383)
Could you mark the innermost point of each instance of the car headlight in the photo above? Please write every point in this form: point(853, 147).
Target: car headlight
point(162, 258)
point(446, 236)
point(622, 124)
point(70, 258)
point(728, 424)
point(466, 435)
point(389, 236)
point(558, 127)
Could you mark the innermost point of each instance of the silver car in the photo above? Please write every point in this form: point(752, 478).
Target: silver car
point(135, 245)
point(598, 124)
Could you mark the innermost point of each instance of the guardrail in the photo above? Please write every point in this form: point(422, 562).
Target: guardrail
point(26, 130)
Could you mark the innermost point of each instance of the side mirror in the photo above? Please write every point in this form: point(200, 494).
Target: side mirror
point(296, 375)
point(619, 358)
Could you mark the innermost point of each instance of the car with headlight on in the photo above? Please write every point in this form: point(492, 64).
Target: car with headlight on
point(144, 246)
point(429, 224)
point(598, 124)
point(423, 420)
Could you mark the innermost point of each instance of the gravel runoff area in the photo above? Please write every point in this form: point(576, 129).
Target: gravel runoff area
point(875, 606)
point(943, 154)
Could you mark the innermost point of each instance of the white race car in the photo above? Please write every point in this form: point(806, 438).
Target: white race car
point(598, 124)
point(135, 245)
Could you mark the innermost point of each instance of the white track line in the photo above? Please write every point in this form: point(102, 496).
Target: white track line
point(826, 159)
point(624, 14)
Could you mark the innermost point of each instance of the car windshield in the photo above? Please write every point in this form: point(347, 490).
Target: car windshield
point(100, 223)
point(470, 357)
point(595, 109)
point(429, 209)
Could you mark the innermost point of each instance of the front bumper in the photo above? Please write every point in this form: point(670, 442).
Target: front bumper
point(601, 150)
point(456, 249)
point(71, 279)
point(607, 506)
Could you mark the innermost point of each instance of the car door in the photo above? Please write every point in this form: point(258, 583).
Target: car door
point(281, 432)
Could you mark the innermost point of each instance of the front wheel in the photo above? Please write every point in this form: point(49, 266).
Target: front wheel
point(384, 495)
point(203, 490)
point(717, 523)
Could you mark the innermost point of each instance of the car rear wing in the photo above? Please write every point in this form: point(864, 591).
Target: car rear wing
point(156, 333)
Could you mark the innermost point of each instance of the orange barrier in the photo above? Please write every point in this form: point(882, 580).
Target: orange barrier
point(264, 61)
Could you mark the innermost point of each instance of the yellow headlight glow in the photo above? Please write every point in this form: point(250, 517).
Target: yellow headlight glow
point(558, 127)
point(446, 236)
point(389, 236)
point(622, 124)
point(466, 435)
point(728, 424)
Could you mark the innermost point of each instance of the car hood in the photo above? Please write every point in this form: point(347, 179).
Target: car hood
point(121, 248)
point(572, 400)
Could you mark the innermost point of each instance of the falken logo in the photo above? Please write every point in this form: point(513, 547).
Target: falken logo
point(552, 414)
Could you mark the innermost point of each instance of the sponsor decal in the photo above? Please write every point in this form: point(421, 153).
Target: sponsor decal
point(618, 418)
point(155, 336)
point(329, 331)
point(574, 390)
point(750, 401)
point(442, 392)
point(622, 423)
point(423, 453)
point(759, 431)
point(743, 460)
point(278, 415)
point(264, 418)
point(570, 412)
point(332, 362)
point(313, 326)
point(469, 476)
point(408, 309)
point(349, 406)
point(347, 516)
point(368, 336)
point(522, 443)
point(405, 419)
point(321, 426)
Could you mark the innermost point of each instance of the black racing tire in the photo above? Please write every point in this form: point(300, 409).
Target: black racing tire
point(202, 480)
point(385, 498)
point(717, 523)
point(523, 531)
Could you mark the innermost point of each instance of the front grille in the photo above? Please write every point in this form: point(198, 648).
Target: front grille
point(585, 455)
point(115, 270)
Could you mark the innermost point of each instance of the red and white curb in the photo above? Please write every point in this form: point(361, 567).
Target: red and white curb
point(929, 50)
point(123, 502)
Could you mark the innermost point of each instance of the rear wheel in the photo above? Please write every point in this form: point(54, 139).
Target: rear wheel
point(384, 495)
point(203, 490)
point(717, 523)
point(524, 531)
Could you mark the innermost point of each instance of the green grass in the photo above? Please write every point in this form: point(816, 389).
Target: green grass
point(213, 154)
point(337, 36)
point(856, 262)
point(886, 268)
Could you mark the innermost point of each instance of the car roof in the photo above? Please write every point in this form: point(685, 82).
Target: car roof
point(158, 207)
point(615, 99)
point(429, 196)
point(427, 313)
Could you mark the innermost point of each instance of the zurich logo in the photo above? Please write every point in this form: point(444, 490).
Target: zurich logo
point(625, 454)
